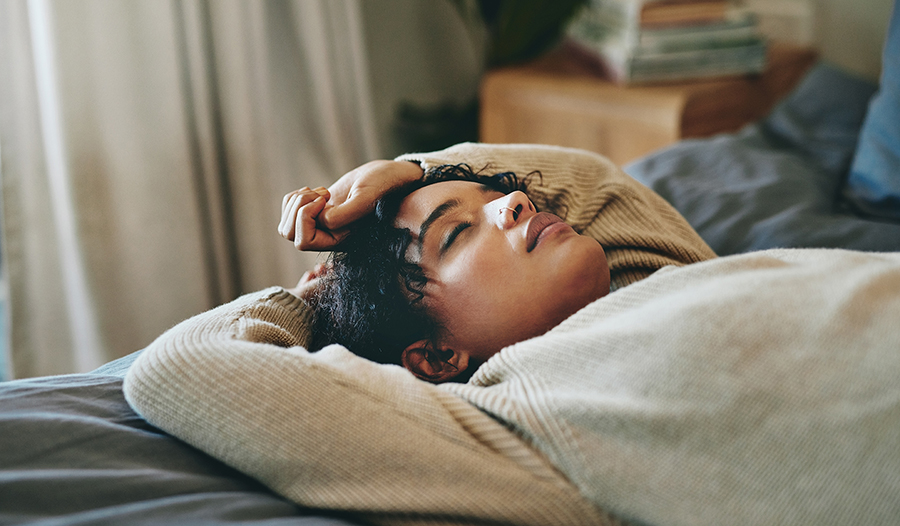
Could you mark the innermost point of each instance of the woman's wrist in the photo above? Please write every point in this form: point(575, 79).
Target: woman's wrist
point(409, 171)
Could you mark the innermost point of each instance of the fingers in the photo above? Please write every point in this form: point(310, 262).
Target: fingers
point(308, 236)
point(354, 195)
point(306, 287)
point(291, 205)
point(317, 272)
point(311, 225)
point(306, 278)
point(356, 207)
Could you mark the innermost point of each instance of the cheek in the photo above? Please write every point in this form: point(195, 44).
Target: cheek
point(478, 272)
point(475, 282)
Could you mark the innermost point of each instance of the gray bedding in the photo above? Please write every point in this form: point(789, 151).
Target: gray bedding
point(73, 452)
point(778, 183)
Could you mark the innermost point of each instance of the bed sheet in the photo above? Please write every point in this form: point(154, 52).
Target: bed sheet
point(73, 452)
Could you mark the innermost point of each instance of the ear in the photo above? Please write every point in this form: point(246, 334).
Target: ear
point(431, 364)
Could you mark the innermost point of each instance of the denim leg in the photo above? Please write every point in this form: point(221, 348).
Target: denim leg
point(873, 185)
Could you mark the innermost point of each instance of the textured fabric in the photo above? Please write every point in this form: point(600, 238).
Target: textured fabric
point(874, 181)
point(776, 183)
point(752, 389)
point(639, 231)
point(332, 430)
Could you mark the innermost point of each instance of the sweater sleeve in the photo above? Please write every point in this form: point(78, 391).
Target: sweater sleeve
point(330, 430)
point(639, 231)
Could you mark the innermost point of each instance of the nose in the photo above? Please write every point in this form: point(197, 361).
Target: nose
point(512, 208)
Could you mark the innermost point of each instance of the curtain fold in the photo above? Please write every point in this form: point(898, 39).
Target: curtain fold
point(178, 127)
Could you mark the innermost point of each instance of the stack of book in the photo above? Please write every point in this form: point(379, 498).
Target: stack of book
point(661, 40)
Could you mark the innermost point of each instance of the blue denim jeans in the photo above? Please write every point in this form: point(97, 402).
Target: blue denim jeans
point(873, 185)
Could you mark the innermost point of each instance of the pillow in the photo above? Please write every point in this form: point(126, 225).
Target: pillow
point(72, 450)
point(873, 185)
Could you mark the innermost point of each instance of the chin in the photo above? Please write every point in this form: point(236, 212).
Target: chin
point(580, 293)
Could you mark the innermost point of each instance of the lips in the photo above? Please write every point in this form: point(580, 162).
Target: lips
point(540, 222)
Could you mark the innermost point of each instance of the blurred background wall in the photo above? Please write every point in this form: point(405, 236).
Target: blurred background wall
point(146, 144)
point(850, 33)
point(421, 52)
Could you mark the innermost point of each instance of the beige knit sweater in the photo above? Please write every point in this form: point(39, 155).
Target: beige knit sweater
point(754, 389)
point(331, 430)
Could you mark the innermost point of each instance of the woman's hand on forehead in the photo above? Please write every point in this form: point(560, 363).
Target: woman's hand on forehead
point(300, 210)
point(353, 196)
point(319, 219)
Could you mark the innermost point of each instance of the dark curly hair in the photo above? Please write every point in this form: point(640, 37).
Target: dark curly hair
point(370, 300)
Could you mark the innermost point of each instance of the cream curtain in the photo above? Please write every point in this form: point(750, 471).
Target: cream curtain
point(144, 149)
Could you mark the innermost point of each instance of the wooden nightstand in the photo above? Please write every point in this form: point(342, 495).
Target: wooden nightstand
point(561, 99)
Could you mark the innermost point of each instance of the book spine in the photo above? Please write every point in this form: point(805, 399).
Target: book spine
point(656, 14)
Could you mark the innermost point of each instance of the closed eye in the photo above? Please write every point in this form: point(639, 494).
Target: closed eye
point(452, 235)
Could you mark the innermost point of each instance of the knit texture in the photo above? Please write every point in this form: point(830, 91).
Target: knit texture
point(754, 389)
point(760, 388)
point(331, 430)
point(639, 231)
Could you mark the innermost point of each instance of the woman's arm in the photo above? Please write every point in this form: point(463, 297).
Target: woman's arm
point(331, 430)
point(639, 230)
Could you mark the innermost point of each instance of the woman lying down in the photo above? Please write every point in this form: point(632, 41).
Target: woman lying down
point(616, 369)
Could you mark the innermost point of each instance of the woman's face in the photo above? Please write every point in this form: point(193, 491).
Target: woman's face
point(498, 271)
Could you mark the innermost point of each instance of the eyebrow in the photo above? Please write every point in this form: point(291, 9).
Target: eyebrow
point(442, 210)
point(436, 214)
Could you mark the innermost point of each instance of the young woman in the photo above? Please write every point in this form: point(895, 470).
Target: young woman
point(759, 388)
point(465, 262)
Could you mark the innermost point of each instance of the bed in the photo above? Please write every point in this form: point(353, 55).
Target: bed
point(73, 451)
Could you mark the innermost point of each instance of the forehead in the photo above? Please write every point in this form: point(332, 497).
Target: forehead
point(418, 205)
